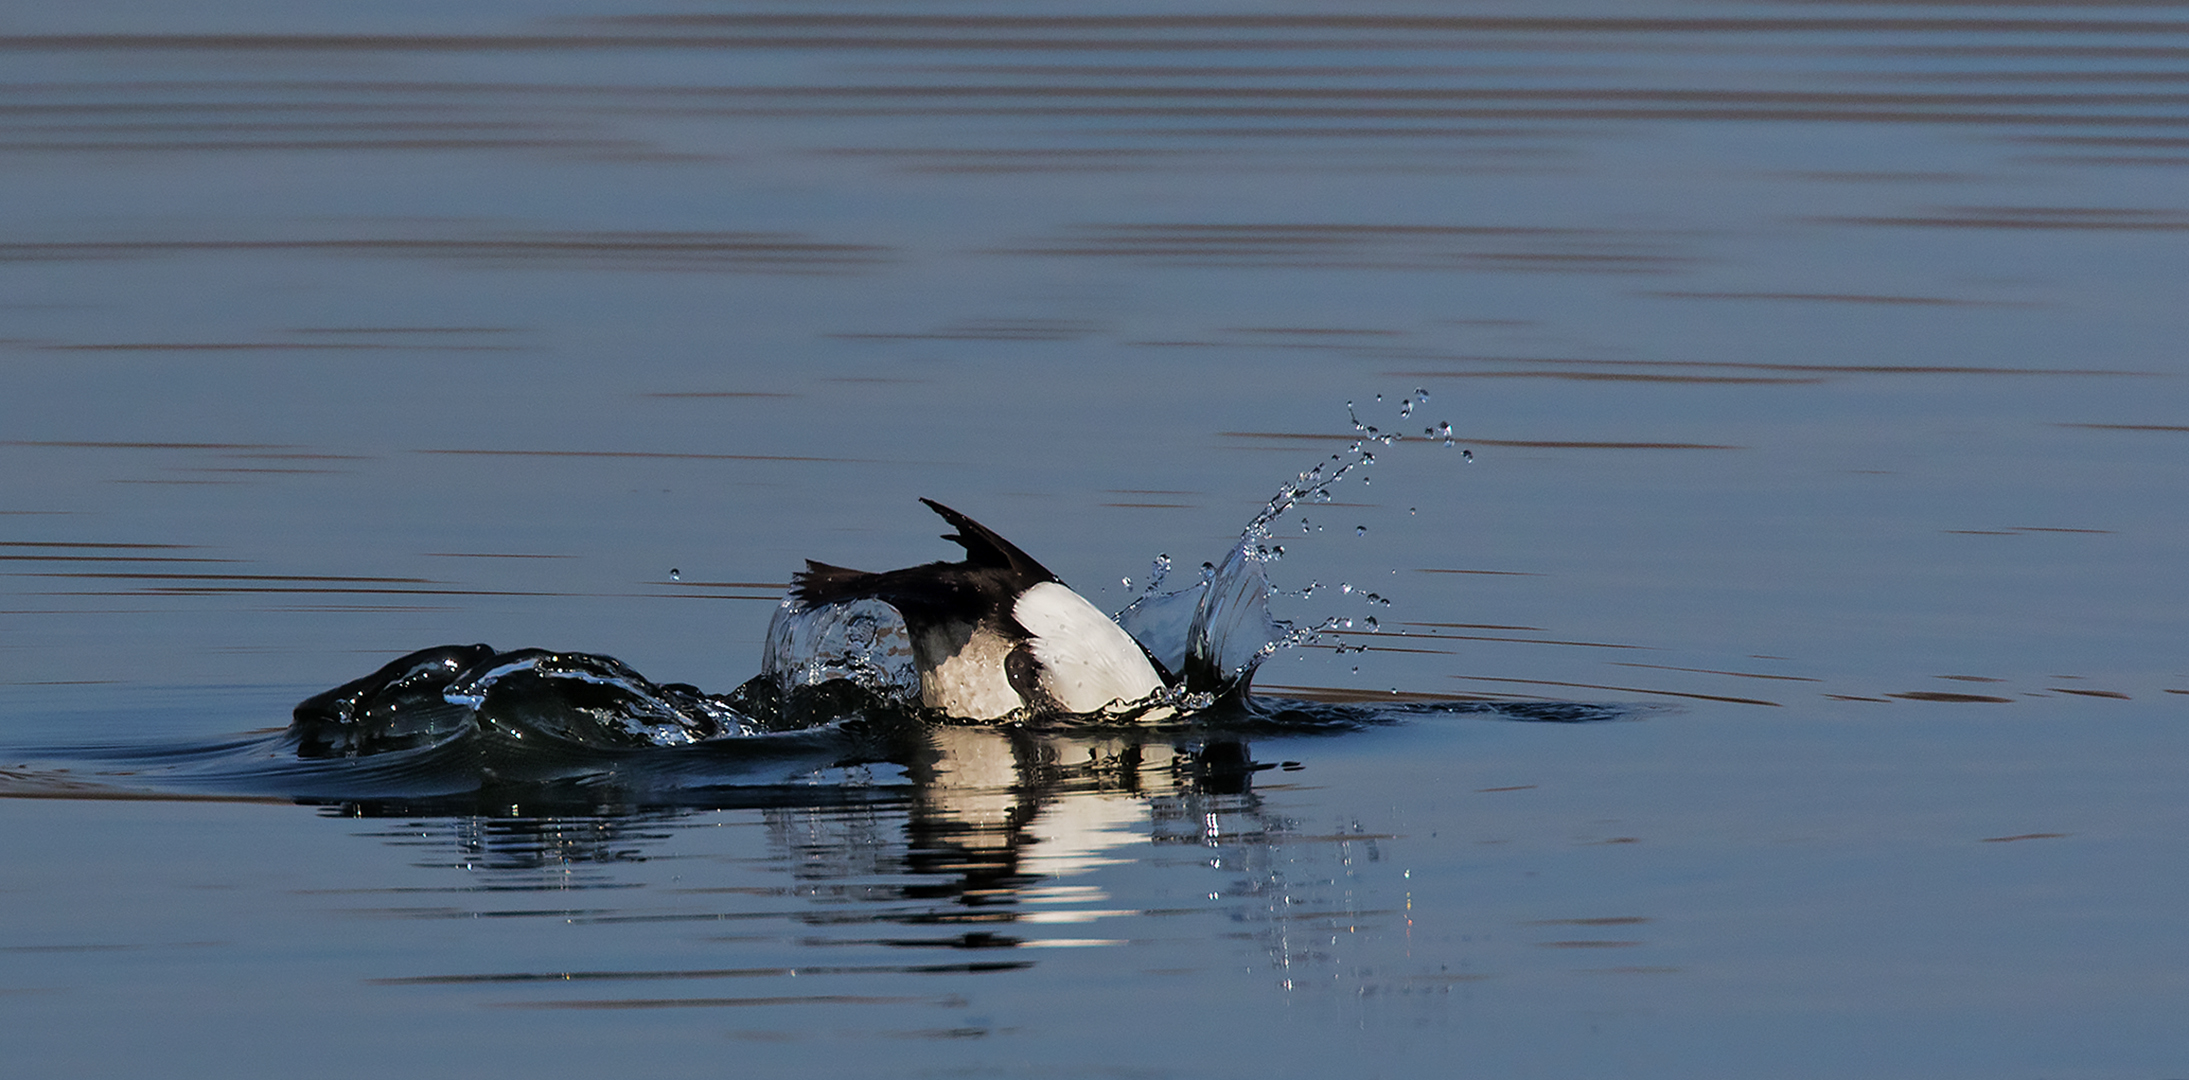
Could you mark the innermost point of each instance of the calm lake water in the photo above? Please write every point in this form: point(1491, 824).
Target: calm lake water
point(1822, 366)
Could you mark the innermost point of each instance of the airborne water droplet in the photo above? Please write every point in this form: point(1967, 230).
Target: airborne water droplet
point(675, 574)
point(1360, 530)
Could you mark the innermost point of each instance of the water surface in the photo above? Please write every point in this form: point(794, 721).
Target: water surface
point(1820, 364)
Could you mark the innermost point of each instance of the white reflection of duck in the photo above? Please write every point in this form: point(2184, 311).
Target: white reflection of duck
point(1011, 816)
point(997, 632)
point(988, 787)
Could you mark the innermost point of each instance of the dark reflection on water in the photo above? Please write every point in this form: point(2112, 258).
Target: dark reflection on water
point(1324, 77)
point(770, 252)
point(1353, 246)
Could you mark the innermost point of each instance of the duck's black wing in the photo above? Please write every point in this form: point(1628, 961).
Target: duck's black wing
point(993, 573)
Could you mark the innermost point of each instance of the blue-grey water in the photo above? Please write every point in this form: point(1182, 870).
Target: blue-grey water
point(1822, 367)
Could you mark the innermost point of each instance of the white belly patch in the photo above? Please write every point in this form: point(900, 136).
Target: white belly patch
point(961, 671)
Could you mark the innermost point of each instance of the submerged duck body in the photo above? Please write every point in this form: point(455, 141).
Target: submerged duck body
point(996, 632)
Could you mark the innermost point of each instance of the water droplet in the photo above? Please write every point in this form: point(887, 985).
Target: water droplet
point(1127, 582)
point(1360, 530)
point(675, 574)
point(1467, 456)
point(1421, 395)
point(1406, 407)
point(1346, 590)
point(1412, 510)
point(1372, 627)
point(1356, 669)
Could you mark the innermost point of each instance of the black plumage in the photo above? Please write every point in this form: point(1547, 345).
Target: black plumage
point(982, 586)
point(960, 613)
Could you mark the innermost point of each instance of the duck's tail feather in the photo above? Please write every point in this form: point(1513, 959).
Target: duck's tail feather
point(820, 583)
point(984, 548)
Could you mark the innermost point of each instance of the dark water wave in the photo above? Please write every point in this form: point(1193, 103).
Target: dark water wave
point(463, 729)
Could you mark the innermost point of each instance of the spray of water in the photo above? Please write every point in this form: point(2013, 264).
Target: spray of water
point(1214, 634)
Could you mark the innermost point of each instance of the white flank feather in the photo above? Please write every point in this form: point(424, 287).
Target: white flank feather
point(1087, 661)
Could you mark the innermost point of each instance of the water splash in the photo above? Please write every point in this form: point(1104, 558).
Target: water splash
point(1217, 632)
point(863, 642)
